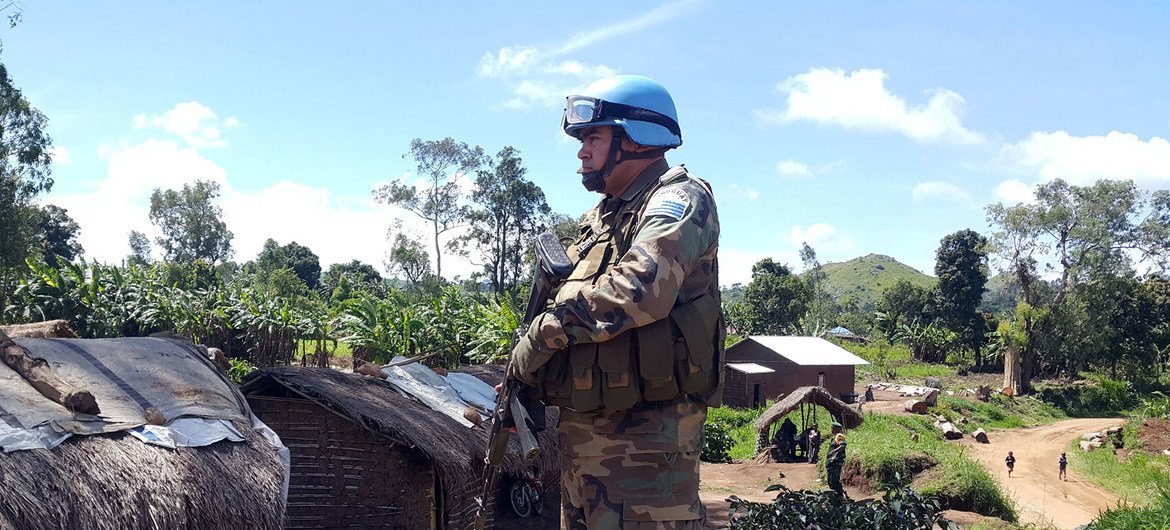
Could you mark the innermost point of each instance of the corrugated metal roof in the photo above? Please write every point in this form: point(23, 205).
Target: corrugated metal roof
point(750, 368)
point(808, 351)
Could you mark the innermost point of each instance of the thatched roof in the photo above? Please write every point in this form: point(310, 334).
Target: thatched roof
point(373, 404)
point(809, 394)
point(114, 482)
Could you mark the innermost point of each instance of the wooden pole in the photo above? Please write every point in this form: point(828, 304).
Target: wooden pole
point(36, 371)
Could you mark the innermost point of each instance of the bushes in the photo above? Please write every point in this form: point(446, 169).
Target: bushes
point(738, 424)
point(1105, 397)
point(899, 508)
point(717, 443)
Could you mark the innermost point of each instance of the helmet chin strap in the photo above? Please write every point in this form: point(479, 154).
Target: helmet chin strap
point(595, 180)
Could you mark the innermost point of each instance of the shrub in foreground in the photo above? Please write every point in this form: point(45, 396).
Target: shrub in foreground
point(900, 508)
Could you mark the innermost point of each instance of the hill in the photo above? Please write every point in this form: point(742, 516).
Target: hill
point(863, 279)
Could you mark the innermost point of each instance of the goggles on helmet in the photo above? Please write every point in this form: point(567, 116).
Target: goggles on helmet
point(584, 109)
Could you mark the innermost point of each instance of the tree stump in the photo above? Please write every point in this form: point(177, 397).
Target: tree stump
point(931, 397)
point(980, 436)
point(949, 431)
point(916, 406)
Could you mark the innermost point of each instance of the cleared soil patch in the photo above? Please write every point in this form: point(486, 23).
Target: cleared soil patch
point(747, 481)
point(1154, 435)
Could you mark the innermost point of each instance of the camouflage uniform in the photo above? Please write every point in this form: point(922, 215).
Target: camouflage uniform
point(636, 467)
point(835, 461)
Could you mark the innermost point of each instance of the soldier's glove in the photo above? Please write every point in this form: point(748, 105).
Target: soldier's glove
point(532, 351)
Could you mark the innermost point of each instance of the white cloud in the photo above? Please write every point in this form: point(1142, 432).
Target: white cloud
point(60, 155)
point(945, 190)
point(735, 265)
point(1013, 192)
point(192, 121)
point(859, 100)
point(660, 14)
point(338, 229)
point(1083, 160)
point(793, 168)
point(742, 192)
point(822, 237)
point(541, 78)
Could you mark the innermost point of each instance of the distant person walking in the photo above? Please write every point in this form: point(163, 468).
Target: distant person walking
point(861, 401)
point(1011, 463)
point(835, 460)
point(1063, 467)
point(869, 393)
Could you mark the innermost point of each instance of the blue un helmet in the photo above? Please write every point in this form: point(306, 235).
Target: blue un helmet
point(638, 106)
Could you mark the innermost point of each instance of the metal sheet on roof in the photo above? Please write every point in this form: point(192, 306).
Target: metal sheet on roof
point(809, 351)
point(750, 368)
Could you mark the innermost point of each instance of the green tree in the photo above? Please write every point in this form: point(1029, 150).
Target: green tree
point(512, 211)
point(775, 299)
point(342, 280)
point(821, 309)
point(903, 304)
point(191, 223)
point(139, 249)
point(25, 172)
point(58, 234)
point(293, 256)
point(440, 163)
point(961, 268)
point(1086, 232)
point(408, 258)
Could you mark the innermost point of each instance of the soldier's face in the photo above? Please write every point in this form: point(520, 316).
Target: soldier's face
point(595, 145)
point(594, 148)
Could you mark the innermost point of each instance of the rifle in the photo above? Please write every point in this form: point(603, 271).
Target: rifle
point(515, 409)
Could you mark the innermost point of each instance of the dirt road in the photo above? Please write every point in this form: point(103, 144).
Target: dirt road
point(1042, 498)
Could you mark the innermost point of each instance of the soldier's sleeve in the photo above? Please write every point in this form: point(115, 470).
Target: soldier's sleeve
point(676, 231)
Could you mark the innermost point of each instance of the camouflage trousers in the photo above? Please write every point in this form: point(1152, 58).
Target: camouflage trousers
point(636, 470)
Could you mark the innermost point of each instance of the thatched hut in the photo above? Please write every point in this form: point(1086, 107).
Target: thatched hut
point(365, 455)
point(153, 458)
point(805, 400)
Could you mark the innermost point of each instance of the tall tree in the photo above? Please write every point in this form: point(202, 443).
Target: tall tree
point(408, 258)
point(440, 163)
point(25, 172)
point(58, 234)
point(1085, 232)
point(961, 268)
point(821, 308)
point(775, 299)
point(293, 256)
point(139, 249)
point(512, 211)
point(191, 223)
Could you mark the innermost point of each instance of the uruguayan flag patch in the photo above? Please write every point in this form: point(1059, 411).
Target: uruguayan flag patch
point(669, 202)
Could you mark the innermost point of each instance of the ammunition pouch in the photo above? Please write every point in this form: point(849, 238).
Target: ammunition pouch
point(678, 355)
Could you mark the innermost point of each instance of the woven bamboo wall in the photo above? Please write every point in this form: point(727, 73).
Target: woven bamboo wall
point(342, 476)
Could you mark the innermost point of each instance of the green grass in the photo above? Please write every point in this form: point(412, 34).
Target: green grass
point(999, 412)
point(883, 448)
point(741, 429)
point(1136, 478)
point(1153, 517)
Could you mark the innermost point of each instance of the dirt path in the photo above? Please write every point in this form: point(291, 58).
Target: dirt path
point(1042, 498)
point(747, 480)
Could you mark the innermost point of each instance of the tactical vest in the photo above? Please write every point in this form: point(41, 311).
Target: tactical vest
point(680, 354)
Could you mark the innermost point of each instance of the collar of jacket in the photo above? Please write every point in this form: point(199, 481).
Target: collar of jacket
point(647, 177)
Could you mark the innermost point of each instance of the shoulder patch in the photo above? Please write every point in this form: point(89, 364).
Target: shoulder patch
point(668, 202)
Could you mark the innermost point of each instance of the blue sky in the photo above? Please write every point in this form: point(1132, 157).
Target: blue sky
point(860, 127)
